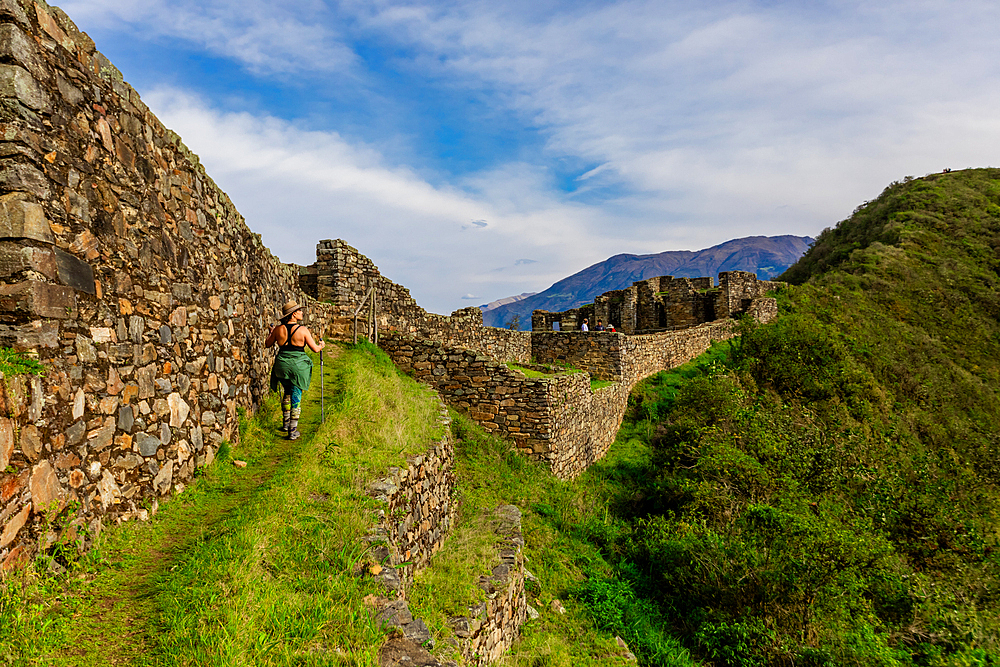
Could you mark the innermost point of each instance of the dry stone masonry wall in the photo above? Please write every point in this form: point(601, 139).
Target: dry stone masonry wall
point(341, 276)
point(129, 274)
point(416, 515)
point(417, 510)
point(558, 418)
point(492, 626)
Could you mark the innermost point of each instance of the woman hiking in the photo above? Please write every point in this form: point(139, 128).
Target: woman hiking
point(292, 368)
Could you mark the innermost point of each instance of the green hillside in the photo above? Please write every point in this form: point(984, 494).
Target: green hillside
point(826, 492)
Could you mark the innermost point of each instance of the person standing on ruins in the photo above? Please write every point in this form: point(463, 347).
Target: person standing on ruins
point(292, 369)
point(584, 327)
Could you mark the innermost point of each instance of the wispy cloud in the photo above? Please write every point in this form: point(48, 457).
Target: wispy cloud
point(323, 186)
point(266, 37)
point(721, 110)
point(645, 125)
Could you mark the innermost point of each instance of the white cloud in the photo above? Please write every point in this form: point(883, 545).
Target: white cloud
point(266, 37)
point(721, 116)
point(704, 122)
point(297, 187)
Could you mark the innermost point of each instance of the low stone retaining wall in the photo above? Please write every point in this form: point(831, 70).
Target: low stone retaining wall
point(493, 625)
point(417, 511)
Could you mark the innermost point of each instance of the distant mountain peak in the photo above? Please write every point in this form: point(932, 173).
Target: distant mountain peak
point(767, 256)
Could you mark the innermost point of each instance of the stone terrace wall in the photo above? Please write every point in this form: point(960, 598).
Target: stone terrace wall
point(417, 510)
point(493, 625)
point(620, 358)
point(558, 419)
point(129, 274)
point(416, 515)
point(342, 276)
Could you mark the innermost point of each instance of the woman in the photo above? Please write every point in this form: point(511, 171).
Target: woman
point(292, 367)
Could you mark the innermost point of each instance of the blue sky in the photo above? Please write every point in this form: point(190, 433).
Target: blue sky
point(476, 150)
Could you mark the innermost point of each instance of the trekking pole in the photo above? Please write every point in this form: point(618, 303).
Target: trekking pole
point(322, 395)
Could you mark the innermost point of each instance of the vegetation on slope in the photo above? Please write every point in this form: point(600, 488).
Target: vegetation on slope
point(823, 491)
point(827, 494)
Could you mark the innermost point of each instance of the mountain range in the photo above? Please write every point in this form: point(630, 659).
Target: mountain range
point(767, 256)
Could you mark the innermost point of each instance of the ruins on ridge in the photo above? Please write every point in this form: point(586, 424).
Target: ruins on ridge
point(666, 303)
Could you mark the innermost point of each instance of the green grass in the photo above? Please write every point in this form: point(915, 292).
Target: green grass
point(564, 525)
point(254, 566)
point(13, 364)
point(558, 368)
point(528, 372)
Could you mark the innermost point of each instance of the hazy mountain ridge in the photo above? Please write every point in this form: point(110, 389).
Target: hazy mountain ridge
point(492, 305)
point(768, 256)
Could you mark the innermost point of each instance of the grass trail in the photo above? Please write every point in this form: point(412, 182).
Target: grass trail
point(123, 592)
point(167, 591)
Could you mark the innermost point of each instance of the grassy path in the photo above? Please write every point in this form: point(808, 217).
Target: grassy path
point(110, 609)
point(121, 591)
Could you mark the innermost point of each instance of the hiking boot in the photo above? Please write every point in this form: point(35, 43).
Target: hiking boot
point(294, 434)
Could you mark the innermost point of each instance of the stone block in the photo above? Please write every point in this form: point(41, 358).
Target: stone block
point(147, 444)
point(108, 488)
point(70, 93)
point(11, 9)
point(6, 442)
point(20, 219)
point(31, 442)
point(12, 527)
point(15, 45)
point(17, 83)
point(15, 259)
point(45, 487)
point(74, 272)
point(164, 478)
point(33, 298)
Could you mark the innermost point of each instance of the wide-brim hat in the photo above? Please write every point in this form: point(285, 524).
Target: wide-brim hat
point(289, 308)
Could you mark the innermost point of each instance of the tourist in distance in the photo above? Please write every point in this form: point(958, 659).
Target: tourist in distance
point(599, 327)
point(584, 327)
point(292, 369)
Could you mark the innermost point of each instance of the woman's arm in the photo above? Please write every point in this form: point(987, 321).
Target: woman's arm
point(272, 337)
point(312, 344)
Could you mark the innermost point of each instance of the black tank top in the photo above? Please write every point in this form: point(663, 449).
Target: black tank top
point(288, 343)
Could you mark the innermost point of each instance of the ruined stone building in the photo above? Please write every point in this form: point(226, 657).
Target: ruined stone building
point(666, 303)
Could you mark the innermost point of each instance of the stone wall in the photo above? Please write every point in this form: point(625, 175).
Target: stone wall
point(557, 418)
point(129, 275)
point(417, 509)
point(341, 276)
point(492, 626)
